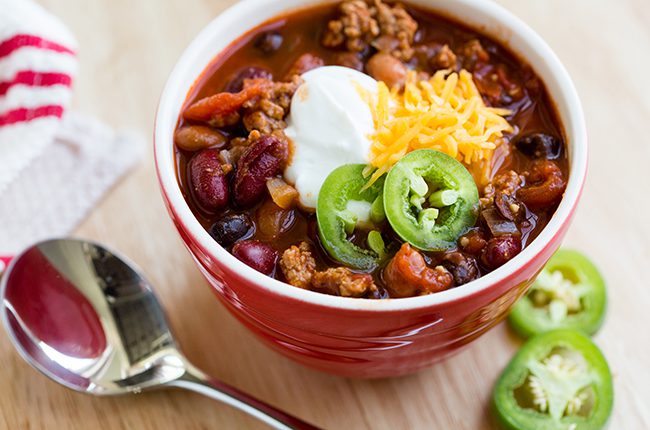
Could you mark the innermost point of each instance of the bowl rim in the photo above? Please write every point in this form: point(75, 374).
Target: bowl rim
point(178, 207)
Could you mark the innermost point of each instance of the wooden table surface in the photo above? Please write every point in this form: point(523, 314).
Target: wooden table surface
point(127, 49)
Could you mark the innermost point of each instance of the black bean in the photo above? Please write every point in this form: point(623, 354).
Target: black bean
point(232, 228)
point(509, 207)
point(539, 145)
point(463, 267)
point(269, 42)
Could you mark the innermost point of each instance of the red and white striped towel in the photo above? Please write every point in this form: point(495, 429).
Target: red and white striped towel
point(53, 165)
point(37, 66)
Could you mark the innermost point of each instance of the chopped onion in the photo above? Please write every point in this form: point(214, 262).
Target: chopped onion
point(498, 225)
point(225, 157)
point(283, 194)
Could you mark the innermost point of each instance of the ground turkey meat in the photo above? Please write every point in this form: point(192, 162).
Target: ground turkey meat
point(504, 183)
point(267, 112)
point(298, 265)
point(473, 54)
point(359, 25)
point(444, 58)
point(395, 22)
point(501, 194)
point(299, 269)
point(344, 281)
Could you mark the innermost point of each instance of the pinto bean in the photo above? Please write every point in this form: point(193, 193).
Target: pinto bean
point(252, 72)
point(195, 137)
point(208, 185)
point(257, 255)
point(545, 187)
point(407, 274)
point(262, 160)
point(500, 250)
point(386, 68)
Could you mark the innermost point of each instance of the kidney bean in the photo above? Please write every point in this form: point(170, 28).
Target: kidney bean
point(384, 67)
point(262, 160)
point(463, 267)
point(305, 63)
point(539, 145)
point(500, 250)
point(232, 228)
point(252, 72)
point(269, 42)
point(349, 59)
point(272, 220)
point(545, 186)
point(195, 137)
point(257, 255)
point(208, 184)
point(498, 85)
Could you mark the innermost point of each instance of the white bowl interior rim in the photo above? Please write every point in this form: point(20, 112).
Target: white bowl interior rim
point(485, 16)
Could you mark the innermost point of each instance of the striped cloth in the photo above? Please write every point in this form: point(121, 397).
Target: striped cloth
point(54, 165)
point(37, 66)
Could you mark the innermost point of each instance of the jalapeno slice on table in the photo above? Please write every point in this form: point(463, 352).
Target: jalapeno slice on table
point(568, 293)
point(559, 380)
point(343, 206)
point(430, 199)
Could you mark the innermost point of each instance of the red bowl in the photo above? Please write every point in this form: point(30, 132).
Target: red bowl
point(356, 337)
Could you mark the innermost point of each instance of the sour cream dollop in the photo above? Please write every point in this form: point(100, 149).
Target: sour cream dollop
point(329, 124)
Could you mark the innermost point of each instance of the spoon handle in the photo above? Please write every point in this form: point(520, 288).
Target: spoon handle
point(197, 381)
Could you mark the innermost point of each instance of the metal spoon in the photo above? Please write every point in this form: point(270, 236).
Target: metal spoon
point(86, 318)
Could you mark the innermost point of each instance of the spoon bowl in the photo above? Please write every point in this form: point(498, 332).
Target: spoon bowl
point(88, 319)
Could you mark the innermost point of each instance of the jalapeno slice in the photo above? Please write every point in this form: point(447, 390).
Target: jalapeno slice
point(559, 380)
point(430, 199)
point(343, 206)
point(568, 293)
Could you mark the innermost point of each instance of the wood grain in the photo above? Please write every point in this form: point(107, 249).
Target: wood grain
point(127, 49)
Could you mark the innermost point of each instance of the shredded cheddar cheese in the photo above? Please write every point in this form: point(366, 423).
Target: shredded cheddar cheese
point(445, 113)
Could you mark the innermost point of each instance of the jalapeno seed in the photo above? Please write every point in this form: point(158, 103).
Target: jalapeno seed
point(568, 293)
